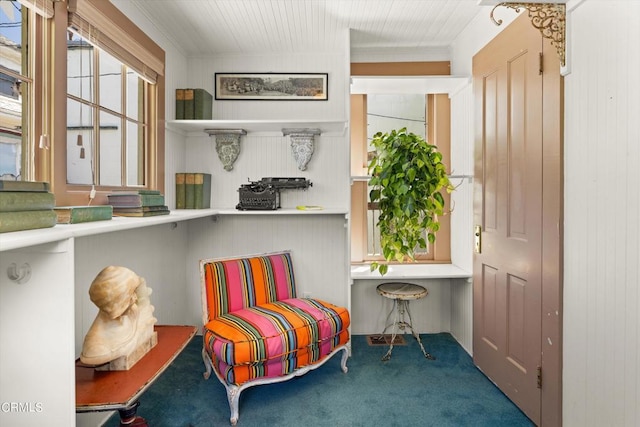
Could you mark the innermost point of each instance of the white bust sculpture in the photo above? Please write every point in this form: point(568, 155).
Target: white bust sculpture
point(125, 320)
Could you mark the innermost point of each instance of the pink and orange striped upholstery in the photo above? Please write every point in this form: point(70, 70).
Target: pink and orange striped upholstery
point(256, 327)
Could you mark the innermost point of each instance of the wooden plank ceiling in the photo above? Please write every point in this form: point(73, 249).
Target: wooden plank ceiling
point(209, 27)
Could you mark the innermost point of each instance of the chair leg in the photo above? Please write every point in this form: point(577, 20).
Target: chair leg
point(343, 362)
point(207, 364)
point(233, 395)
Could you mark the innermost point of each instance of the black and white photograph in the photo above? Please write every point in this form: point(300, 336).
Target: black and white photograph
point(272, 86)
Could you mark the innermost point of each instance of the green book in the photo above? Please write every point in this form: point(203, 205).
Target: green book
point(180, 191)
point(142, 211)
point(135, 200)
point(188, 104)
point(12, 201)
point(24, 186)
point(27, 220)
point(201, 190)
point(179, 104)
point(78, 214)
point(202, 104)
point(189, 191)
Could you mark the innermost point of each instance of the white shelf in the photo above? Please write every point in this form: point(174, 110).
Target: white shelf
point(23, 239)
point(271, 127)
point(26, 238)
point(283, 211)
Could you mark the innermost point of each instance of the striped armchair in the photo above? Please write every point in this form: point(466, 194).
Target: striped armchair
point(257, 331)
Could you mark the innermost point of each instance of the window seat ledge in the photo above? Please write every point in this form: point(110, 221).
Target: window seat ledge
point(410, 271)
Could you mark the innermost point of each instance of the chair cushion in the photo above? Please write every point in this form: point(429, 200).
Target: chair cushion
point(239, 374)
point(277, 331)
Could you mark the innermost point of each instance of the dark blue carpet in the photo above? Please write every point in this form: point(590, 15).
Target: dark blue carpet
point(408, 390)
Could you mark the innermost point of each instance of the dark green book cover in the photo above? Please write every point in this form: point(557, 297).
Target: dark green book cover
point(202, 190)
point(179, 104)
point(180, 191)
point(189, 191)
point(202, 104)
point(27, 220)
point(12, 201)
point(188, 104)
point(78, 214)
point(24, 185)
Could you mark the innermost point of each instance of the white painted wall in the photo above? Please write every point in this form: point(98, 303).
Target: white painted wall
point(601, 374)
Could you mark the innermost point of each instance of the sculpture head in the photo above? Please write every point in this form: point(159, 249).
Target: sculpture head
point(113, 290)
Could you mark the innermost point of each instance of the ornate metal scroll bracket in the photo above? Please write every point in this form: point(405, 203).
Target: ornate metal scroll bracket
point(302, 144)
point(227, 145)
point(549, 18)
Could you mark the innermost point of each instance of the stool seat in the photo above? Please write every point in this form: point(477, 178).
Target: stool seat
point(401, 290)
point(401, 293)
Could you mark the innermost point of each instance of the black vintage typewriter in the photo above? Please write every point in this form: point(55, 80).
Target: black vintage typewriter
point(265, 194)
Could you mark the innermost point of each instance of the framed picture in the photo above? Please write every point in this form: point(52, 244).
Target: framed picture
point(272, 86)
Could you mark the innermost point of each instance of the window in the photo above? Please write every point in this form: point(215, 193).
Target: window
point(383, 113)
point(423, 114)
point(107, 124)
point(114, 105)
point(16, 86)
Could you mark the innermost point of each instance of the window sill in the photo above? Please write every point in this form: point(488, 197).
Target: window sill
point(410, 271)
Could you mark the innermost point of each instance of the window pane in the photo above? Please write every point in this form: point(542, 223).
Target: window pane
point(11, 32)
point(110, 149)
point(135, 96)
point(80, 143)
point(135, 154)
point(80, 68)
point(12, 89)
point(110, 82)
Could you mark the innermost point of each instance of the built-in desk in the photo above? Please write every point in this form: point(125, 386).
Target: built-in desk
point(120, 390)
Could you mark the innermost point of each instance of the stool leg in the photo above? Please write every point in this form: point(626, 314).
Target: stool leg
point(394, 325)
point(415, 335)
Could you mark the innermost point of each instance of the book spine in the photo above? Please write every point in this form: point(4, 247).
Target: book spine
point(202, 104)
point(189, 190)
point(91, 213)
point(27, 220)
point(12, 201)
point(24, 186)
point(179, 104)
point(188, 104)
point(202, 190)
point(180, 191)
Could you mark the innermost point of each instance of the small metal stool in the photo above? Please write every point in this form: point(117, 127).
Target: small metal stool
point(401, 293)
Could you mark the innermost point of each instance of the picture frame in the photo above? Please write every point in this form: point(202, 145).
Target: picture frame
point(272, 86)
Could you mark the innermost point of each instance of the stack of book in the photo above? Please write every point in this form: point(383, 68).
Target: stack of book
point(26, 205)
point(193, 104)
point(193, 190)
point(138, 203)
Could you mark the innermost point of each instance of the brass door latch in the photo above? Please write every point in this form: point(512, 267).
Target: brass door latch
point(477, 238)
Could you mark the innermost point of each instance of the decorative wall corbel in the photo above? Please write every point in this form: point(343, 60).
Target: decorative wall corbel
point(227, 145)
point(302, 144)
point(549, 18)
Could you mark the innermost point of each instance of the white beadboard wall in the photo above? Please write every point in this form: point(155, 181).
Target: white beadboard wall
point(601, 373)
point(462, 216)
point(156, 253)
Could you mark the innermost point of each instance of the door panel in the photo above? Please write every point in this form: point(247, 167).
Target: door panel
point(508, 206)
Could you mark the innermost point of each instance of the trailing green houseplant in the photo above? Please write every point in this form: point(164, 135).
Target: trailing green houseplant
point(407, 177)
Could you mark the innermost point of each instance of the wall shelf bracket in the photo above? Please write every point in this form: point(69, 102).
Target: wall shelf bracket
point(302, 144)
point(549, 18)
point(227, 145)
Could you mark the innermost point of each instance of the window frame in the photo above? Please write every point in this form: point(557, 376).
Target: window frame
point(51, 163)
